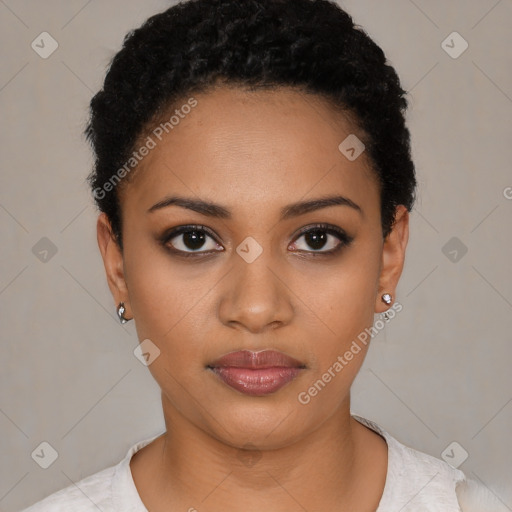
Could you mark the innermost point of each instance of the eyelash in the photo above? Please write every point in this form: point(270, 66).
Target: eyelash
point(345, 240)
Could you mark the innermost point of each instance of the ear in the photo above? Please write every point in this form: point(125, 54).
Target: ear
point(393, 257)
point(113, 262)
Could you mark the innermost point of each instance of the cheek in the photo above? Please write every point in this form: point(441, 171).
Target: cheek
point(345, 307)
point(343, 304)
point(165, 305)
point(159, 295)
point(343, 295)
point(171, 303)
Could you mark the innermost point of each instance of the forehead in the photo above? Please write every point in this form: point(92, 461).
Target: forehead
point(253, 147)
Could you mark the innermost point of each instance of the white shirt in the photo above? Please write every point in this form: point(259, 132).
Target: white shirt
point(415, 482)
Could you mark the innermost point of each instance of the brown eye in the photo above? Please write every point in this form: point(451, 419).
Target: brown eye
point(324, 239)
point(190, 239)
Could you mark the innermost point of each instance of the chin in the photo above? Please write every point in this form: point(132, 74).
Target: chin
point(265, 425)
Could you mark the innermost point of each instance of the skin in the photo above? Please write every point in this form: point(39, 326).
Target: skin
point(254, 153)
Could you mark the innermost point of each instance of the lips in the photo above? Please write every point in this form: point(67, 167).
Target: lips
point(256, 373)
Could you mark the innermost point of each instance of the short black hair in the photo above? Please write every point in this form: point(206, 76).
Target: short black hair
point(313, 45)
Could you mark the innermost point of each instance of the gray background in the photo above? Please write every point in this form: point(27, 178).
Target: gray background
point(438, 373)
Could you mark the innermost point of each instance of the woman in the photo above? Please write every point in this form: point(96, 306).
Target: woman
point(254, 179)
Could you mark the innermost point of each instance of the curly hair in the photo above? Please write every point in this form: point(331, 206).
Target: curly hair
point(309, 44)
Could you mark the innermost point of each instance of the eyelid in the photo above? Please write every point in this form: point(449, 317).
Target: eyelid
point(322, 226)
point(173, 232)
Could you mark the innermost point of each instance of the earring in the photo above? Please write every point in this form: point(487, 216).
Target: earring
point(120, 313)
point(386, 297)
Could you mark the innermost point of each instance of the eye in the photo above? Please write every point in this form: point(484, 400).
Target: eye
point(190, 240)
point(193, 240)
point(322, 236)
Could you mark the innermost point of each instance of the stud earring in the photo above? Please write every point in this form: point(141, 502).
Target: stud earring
point(120, 313)
point(386, 298)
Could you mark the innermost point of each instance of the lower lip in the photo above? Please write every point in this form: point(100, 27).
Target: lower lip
point(257, 382)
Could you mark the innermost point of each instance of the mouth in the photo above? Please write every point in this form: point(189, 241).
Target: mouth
point(256, 373)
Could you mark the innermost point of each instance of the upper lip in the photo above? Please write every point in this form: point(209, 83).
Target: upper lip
point(256, 360)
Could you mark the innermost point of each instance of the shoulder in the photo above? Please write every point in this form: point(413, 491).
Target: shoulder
point(107, 490)
point(92, 493)
point(475, 497)
point(419, 482)
point(416, 481)
point(422, 481)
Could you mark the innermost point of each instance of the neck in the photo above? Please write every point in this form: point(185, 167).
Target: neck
point(329, 466)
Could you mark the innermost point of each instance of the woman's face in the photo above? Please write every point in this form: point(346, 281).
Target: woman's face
point(251, 280)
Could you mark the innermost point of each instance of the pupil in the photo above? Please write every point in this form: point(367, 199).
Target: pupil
point(316, 239)
point(196, 239)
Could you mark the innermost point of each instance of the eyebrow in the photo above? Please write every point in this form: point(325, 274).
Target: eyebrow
point(210, 209)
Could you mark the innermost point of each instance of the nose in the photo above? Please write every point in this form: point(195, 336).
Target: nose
point(256, 296)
